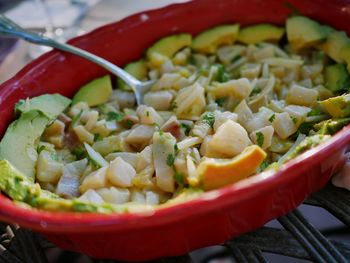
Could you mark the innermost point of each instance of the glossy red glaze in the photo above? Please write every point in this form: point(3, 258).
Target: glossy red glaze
point(217, 215)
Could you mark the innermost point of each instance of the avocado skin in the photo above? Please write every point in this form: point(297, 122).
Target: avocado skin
point(95, 92)
point(337, 78)
point(137, 69)
point(303, 32)
point(18, 144)
point(49, 104)
point(260, 33)
point(337, 107)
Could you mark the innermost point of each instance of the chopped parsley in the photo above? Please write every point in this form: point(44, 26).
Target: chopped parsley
point(272, 118)
point(179, 178)
point(77, 117)
point(129, 123)
point(40, 148)
point(256, 90)
point(97, 137)
point(176, 148)
point(222, 75)
point(294, 119)
point(115, 116)
point(314, 112)
point(260, 138)
point(220, 101)
point(173, 105)
point(186, 127)
point(209, 118)
point(78, 152)
point(170, 159)
point(263, 165)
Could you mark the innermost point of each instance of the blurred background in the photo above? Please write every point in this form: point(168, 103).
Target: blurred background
point(65, 19)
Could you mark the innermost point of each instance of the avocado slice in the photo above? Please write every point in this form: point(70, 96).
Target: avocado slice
point(335, 42)
point(304, 32)
point(337, 107)
point(49, 104)
point(260, 33)
point(18, 145)
point(337, 78)
point(168, 46)
point(331, 126)
point(138, 69)
point(209, 40)
point(95, 92)
point(345, 55)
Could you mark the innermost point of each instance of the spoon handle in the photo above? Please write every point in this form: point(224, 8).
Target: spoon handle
point(10, 28)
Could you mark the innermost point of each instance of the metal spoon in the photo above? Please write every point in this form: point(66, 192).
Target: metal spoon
point(10, 28)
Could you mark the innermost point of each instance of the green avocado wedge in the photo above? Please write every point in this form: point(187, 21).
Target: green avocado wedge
point(260, 33)
point(303, 32)
point(209, 40)
point(18, 145)
point(95, 92)
point(333, 45)
point(137, 69)
point(337, 78)
point(50, 105)
point(337, 107)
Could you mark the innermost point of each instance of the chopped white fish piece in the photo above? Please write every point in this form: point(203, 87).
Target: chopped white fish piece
point(83, 134)
point(189, 142)
point(97, 179)
point(259, 120)
point(159, 100)
point(139, 135)
point(114, 195)
point(91, 196)
point(131, 158)
point(222, 117)
point(47, 169)
point(68, 185)
point(120, 173)
point(244, 113)
point(239, 88)
point(144, 158)
point(302, 96)
point(138, 197)
point(230, 139)
point(152, 198)
point(173, 126)
point(284, 125)
point(125, 99)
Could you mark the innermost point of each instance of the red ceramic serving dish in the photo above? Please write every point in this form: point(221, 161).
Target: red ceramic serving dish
point(217, 215)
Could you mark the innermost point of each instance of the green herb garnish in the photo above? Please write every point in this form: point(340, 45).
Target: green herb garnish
point(115, 116)
point(77, 117)
point(209, 118)
point(186, 127)
point(260, 138)
point(220, 101)
point(79, 153)
point(179, 178)
point(170, 159)
point(98, 137)
point(272, 118)
point(314, 112)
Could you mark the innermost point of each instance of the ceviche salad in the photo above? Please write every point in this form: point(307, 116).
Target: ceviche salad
point(227, 104)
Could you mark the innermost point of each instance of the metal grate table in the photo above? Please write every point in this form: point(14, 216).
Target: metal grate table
point(297, 239)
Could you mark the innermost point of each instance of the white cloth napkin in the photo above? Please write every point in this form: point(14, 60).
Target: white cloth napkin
point(31, 15)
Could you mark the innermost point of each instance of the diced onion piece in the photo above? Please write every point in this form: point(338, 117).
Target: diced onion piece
point(114, 195)
point(190, 102)
point(263, 136)
point(159, 100)
point(243, 112)
point(193, 178)
point(163, 147)
point(148, 115)
point(284, 62)
point(222, 117)
point(189, 142)
point(97, 179)
point(83, 134)
point(48, 170)
point(240, 88)
point(230, 139)
point(284, 125)
point(120, 173)
point(302, 96)
point(95, 156)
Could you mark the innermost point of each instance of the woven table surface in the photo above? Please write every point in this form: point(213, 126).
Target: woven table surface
point(297, 239)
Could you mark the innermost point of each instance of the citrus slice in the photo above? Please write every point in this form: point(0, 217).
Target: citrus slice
point(216, 173)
